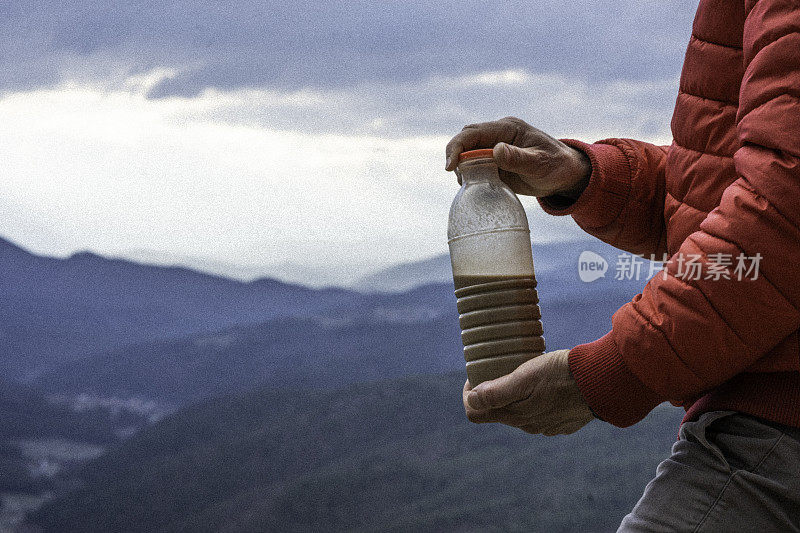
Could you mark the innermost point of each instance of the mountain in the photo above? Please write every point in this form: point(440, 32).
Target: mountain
point(29, 423)
point(286, 271)
point(399, 278)
point(383, 336)
point(88, 324)
point(26, 413)
point(54, 310)
point(318, 352)
point(551, 260)
point(390, 456)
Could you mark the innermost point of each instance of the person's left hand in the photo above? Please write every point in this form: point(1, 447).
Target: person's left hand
point(540, 396)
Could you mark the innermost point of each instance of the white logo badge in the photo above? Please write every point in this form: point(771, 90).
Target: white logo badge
point(591, 266)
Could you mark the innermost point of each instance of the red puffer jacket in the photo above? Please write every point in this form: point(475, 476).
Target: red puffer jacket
point(727, 187)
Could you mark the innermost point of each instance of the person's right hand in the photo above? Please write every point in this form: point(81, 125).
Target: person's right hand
point(530, 161)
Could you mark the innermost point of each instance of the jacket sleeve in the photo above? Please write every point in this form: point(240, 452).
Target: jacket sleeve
point(681, 337)
point(623, 203)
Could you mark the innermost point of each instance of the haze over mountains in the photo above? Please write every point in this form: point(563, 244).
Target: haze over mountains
point(356, 338)
point(296, 408)
point(57, 310)
point(384, 456)
point(555, 262)
point(286, 271)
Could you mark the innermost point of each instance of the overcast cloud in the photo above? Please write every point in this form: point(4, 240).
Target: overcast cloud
point(308, 134)
point(338, 43)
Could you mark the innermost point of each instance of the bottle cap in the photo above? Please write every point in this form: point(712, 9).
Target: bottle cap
point(475, 154)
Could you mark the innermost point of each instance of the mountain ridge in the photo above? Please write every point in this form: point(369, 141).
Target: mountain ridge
point(392, 455)
point(54, 310)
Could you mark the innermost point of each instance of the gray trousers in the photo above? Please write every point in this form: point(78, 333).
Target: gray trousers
point(728, 472)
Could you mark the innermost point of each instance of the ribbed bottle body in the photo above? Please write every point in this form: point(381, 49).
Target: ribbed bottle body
point(495, 282)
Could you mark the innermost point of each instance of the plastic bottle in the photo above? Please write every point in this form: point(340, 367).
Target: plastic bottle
point(495, 284)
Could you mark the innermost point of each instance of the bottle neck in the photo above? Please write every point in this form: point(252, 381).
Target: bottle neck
point(478, 170)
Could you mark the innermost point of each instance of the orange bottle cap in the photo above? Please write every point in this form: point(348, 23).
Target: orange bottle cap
point(475, 154)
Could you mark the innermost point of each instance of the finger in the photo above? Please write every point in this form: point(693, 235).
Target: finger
point(573, 426)
point(516, 183)
point(467, 139)
point(454, 147)
point(565, 427)
point(516, 159)
point(569, 429)
point(534, 429)
point(476, 416)
point(543, 427)
point(504, 390)
point(501, 415)
point(482, 135)
point(551, 431)
point(483, 417)
point(467, 388)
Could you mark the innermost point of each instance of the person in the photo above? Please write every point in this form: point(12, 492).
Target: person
point(724, 196)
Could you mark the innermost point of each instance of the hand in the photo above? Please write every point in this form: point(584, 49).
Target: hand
point(530, 161)
point(540, 396)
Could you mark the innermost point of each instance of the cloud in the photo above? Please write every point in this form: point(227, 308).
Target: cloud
point(288, 46)
point(441, 105)
point(300, 132)
point(336, 179)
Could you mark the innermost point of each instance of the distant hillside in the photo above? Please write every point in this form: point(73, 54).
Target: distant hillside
point(384, 456)
point(53, 311)
point(286, 271)
point(554, 259)
point(56, 310)
point(25, 414)
point(398, 278)
point(316, 352)
point(385, 335)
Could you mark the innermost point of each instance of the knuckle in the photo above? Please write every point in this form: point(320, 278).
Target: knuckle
point(544, 159)
point(512, 157)
point(513, 120)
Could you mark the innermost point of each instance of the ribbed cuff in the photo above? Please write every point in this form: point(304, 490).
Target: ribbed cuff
point(607, 385)
point(607, 192)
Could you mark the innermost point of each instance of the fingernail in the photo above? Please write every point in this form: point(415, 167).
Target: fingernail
point(474, 400)
point(447, 165)
point(505, 151)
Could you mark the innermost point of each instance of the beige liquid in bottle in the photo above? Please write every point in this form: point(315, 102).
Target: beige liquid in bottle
point(493, 274)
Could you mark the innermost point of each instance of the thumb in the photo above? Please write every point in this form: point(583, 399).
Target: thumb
point(497, 392)
point(513, 158)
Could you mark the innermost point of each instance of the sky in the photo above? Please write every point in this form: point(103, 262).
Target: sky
point(306, 139)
